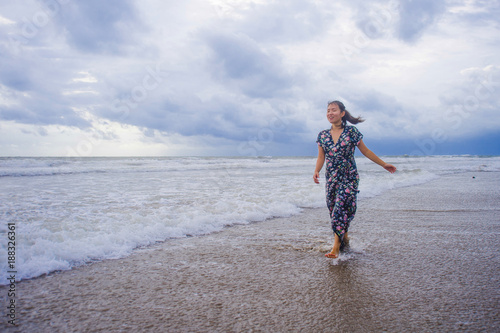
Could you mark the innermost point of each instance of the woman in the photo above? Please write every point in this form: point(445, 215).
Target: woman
point(337, 145)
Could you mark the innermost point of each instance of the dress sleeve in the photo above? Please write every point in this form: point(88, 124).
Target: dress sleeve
point(320, 140)
point(356, 135)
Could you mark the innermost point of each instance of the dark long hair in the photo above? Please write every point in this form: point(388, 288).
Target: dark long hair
point(347, 116)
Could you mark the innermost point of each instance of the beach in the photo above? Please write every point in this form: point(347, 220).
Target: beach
point(422, 259)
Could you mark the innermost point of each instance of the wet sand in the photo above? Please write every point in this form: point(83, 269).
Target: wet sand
point(422, 259)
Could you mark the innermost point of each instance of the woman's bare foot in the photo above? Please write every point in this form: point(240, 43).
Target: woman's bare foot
point(335, 250)
point(332, 255)
point(337, 246)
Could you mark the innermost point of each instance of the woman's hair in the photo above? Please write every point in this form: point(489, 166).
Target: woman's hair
point(347, 116)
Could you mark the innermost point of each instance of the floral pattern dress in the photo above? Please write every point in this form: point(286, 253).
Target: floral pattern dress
point(341, 176)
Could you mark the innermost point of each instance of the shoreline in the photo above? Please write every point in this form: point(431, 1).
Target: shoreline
point(272, 275)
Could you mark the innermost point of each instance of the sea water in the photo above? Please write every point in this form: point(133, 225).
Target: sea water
point(72, 211)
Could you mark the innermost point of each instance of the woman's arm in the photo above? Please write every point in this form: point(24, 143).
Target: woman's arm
point(371, 155)
point(319, 164)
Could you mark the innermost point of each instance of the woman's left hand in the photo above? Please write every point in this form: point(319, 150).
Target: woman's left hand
point(389, 167)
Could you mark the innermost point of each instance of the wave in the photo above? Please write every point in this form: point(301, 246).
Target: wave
point(32, 167)
point(103, 212)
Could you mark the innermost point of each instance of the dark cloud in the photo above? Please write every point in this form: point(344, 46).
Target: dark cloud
point(418, 15)
point(406, 19)
point(373, 101)
point(38, 69)
point(473, 100)
point(219, 117)
point(35, 86)
point(286, 21)
point(50, 114)
point(376, 19)
point(240, 61)
point(16, 78)
point(99, 26)
point(486, 12)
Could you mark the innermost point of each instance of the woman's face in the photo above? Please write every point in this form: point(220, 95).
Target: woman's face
point(334, 114)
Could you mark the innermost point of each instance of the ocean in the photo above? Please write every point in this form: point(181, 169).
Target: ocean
point(69, 212)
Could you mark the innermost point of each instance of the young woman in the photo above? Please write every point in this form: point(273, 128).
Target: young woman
point(337, 145)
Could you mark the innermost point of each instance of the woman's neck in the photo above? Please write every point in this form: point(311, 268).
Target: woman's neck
point(337, 126)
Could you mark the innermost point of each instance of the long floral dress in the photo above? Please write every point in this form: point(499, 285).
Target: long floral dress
point(341, 176)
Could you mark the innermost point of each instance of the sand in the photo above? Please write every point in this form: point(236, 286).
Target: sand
point(422, 258)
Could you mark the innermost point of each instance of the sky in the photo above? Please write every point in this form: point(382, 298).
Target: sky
point(247, 77)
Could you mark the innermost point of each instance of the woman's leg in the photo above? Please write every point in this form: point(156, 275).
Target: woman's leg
point(346, 239)
point(336, 248)
point(337, 245)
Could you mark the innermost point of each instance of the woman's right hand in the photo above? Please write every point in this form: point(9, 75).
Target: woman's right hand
point(316, 177)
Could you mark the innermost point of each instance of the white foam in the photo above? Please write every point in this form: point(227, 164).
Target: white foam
point(342, 258)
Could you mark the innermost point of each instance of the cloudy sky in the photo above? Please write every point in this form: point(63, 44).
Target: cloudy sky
point(246, 77)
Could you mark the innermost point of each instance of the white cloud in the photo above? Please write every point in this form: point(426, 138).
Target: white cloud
point(4, 20)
